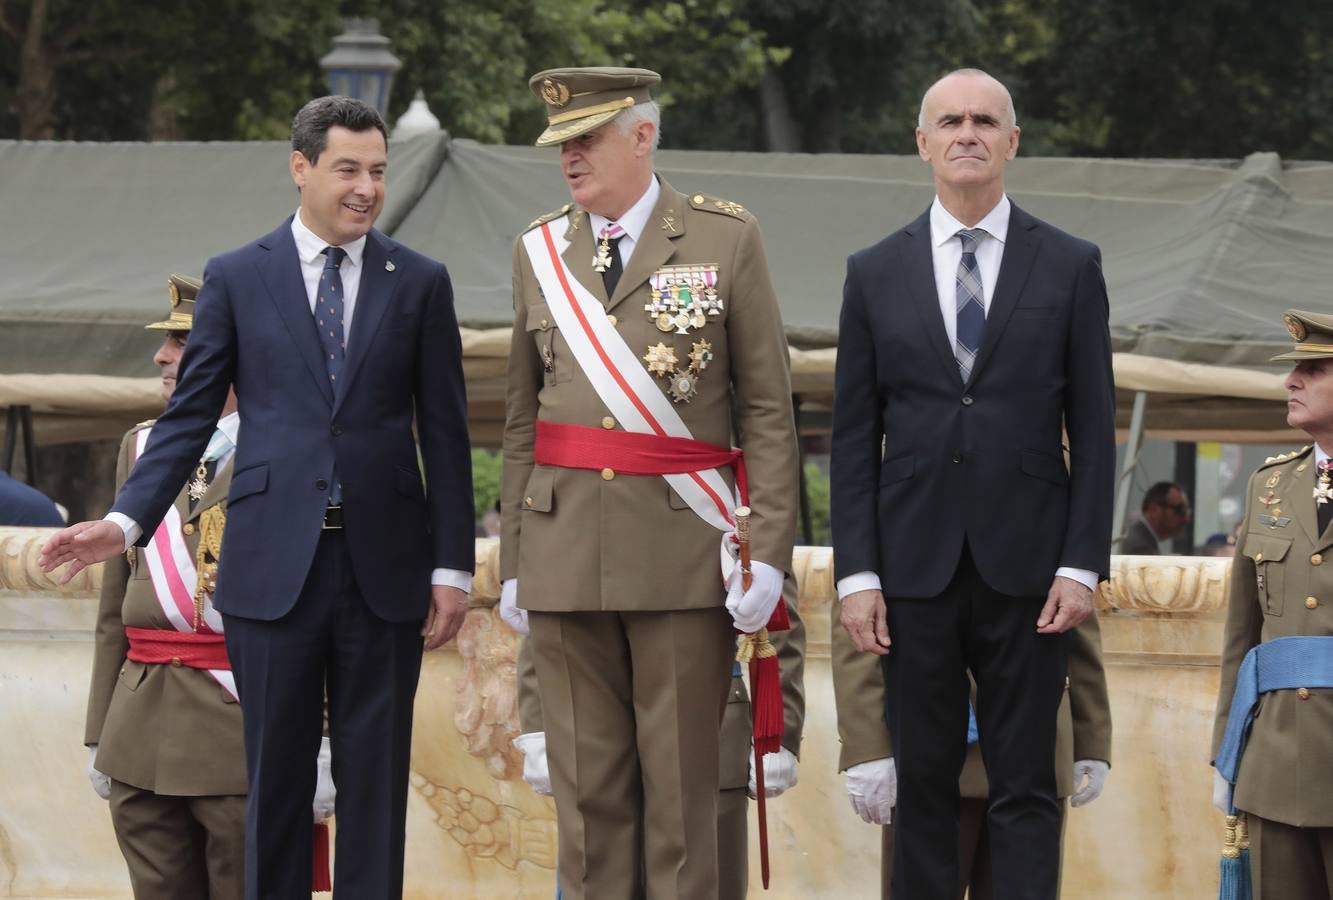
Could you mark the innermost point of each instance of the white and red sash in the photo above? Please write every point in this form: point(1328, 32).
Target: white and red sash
point(171, 568)
point(624, 386)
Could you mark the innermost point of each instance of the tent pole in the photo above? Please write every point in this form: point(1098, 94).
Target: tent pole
point(1132, 447)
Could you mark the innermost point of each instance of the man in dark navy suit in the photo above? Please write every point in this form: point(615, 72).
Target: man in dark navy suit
point(970, 342)
point(337, 339)
point(21, 504)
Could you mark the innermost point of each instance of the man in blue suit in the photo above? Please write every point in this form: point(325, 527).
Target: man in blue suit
point(337, 339)
point(21, 504)
point(971, 341)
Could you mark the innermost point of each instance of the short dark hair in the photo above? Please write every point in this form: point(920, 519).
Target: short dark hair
point(1157, 494)
point(310, 127)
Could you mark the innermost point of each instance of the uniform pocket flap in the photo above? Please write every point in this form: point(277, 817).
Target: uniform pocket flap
point(538, 495)
point(1265, 548)
point(539, 317)
point(248, 481)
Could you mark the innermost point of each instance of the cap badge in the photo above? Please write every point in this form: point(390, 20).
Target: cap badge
point(175, 294)
point(1295, 327)
point(555, 93)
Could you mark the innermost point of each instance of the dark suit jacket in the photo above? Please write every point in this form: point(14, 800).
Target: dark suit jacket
point(1140, 541)
point(27, 506)
point(922, 462)
point(253, 328)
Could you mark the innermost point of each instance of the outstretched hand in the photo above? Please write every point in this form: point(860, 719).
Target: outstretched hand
point(81, 545)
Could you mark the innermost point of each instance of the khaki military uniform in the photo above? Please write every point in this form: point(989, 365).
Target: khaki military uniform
point(736, 748)
point(637, 565)
point(1083, 731)
point(1282, 585)
point(168, 736)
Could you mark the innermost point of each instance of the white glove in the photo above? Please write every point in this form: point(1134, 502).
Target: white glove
point(535, 771)
point(752, 609)
point(101, 783)
point(779, 773)
point(1221, 793)
point(1095, 770)
point(325, 792)
point(516, 618)
point(873, 789)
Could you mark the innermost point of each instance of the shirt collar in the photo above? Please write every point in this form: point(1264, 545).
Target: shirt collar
point(1319, 455)
point(943, 226)
point(310, 246)
point(635, 218)
point(230, 425)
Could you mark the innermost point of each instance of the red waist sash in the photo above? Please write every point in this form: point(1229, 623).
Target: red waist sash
point(183, 648)
point(631, 453)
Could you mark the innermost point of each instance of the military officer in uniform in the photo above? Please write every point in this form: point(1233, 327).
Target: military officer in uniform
point(735, 765)
point(163, 723)
point(1277, 650)
point(646, 335)
point(1082, 750)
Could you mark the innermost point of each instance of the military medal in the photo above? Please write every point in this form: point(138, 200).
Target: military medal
point(661, 359)
point(1323, 490)
point(683, 297)
point(199, 486)
point(602, 261)
point(684, 385)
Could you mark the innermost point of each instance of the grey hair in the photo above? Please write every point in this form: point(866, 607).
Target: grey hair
point(1008, 100)
point(641, 112)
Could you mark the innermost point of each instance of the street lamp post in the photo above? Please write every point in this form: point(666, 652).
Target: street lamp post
point(360, 64)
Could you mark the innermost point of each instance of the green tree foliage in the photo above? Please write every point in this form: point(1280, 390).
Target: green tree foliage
point(485, 479)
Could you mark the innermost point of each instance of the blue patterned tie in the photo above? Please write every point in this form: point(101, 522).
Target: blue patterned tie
point(971, 312)
point(329, 318)
point(329, 312)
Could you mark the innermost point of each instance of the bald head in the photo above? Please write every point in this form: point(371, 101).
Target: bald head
point(925, 116)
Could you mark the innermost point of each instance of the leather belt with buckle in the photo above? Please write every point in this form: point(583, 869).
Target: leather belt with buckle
point(333, 517)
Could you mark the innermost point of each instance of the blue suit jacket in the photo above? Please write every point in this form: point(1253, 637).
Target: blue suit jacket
point(253, 328)
point(24, 505)
point(922, 462)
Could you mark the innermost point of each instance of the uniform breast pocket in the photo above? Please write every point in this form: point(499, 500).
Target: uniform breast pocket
point(552, 351)
point(1269, 554)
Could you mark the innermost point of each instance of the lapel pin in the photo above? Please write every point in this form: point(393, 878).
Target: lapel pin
point(388, 266)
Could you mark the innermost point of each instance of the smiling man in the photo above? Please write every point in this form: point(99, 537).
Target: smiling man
point(336, 563)
point(1277, 650)
point(963, 542)
point(645, 328)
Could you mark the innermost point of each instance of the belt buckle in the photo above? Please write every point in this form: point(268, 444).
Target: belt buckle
point(333, 518)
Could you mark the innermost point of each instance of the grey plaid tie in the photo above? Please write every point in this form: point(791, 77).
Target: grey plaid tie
point(971, 321)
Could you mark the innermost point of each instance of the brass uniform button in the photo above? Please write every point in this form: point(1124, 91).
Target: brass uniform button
point(612, 319)
point(545, 323)
point(608, 474)
point(1311, 603)
point(608, 423)
point(188, 528)
point(698, 198)
point(1317, 560)
point(1303, 693)
point(176, 664)
point(527, 501)
point(1258, 557)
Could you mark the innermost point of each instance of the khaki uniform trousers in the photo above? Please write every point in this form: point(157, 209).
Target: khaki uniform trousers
point(1290, 863)
point(633, 703)
point(180, 848)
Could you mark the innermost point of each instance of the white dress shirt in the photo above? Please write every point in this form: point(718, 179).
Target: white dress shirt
point(632, 222)
point(946, 251)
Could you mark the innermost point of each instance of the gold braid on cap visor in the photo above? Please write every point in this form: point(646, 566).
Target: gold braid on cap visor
point(586, 111)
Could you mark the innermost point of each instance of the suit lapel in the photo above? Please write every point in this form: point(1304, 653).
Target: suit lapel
point(373, 297)
point(919, 265)
point(280, 270)
point(655, 245)
point(578, 255)
point(1020, 249)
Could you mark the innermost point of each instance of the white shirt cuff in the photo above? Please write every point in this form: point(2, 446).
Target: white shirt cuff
point(1085, 577)
point(861, 581)
point(452, 578)
point(127, 525)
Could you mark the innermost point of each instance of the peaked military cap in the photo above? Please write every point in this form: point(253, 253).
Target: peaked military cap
point(579, 100)
point(1312, 332)
point(182, 289)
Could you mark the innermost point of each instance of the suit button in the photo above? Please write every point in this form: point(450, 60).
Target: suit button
point(321, 485)
point(1303, 693)
point(608, 474)
point(967, 399)
point(958, 457)
point(1311, 603)
point(527, 501)
point(608, 423)
point(336, 429)
point(176, 664)
point(612, 319)
point(188, 528)
point(1316, 560)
